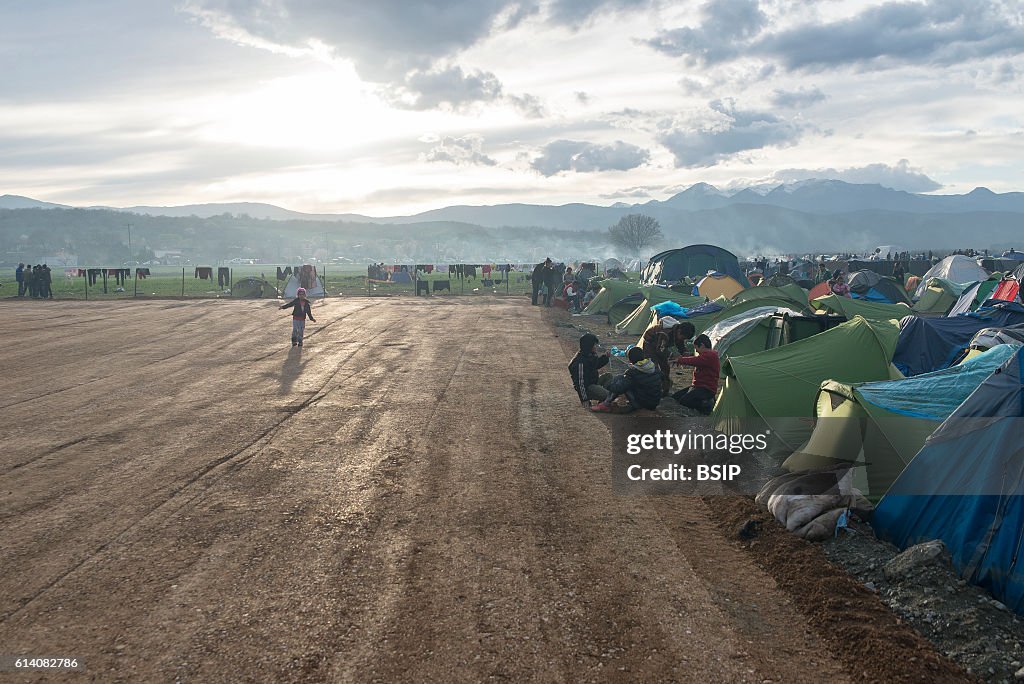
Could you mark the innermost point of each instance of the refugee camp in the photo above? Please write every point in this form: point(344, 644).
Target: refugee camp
point(512, 341)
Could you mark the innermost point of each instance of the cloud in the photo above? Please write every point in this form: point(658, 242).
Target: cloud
point(467, 150)
point(639, 192)
point(582, 97)
point(734, 131)
point(935, 32)
point(529, 105)
point(584, 157)
point(797, 99)
point(725, 25)
point(450, 86)
point(899, 177)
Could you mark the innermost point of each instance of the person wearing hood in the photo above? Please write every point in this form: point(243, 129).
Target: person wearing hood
point(641, 384)
point(584, 371)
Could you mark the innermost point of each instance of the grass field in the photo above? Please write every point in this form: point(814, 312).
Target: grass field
point(172, 281)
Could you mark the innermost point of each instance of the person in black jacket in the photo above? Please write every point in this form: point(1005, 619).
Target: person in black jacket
point(537, 279)
point(300, 311)
point(641, 384)
point(584, 367)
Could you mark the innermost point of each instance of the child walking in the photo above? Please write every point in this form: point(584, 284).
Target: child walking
point(300, 311)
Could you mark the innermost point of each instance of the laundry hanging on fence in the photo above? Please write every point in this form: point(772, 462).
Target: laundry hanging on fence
point(141, 273)
point(223, 276)
point(204, 272)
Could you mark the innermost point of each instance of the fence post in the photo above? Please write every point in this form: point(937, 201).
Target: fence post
point(86, 284)
point(183, 283)
point(136, 282)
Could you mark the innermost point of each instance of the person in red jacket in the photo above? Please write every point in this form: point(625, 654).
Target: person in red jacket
point(700, 395)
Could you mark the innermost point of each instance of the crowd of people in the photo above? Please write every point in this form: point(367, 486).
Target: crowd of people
point(647, 377)
point(34, 281)
point(550, 280)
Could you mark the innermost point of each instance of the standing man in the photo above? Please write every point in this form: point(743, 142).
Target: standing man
point(19, 275)
point(537, 279)
point(551, 281)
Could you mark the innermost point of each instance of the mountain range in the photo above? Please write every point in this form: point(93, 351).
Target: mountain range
point(818, 197)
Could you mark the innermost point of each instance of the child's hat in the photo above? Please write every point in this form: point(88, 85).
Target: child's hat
point(301, 290)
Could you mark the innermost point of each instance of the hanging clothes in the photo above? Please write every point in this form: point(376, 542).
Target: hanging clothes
point(141, 273)
point(204, 272)
point(223, 276)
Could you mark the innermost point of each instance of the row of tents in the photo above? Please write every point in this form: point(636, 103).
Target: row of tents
point(924, 407)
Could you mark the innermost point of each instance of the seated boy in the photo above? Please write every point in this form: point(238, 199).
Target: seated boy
point(659, 338)
point(584, 367)
point(700, 395)
point(641, 384)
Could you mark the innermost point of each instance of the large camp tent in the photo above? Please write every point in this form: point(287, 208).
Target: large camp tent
point(975, 295)
point(940, 295)
point(612, 290)
point(956, 268)
point(880, 426)
point(873, 287)
point(695, 262)
point(778, 387)
point(928, 344)
point(715, 285)
point(873, 311)
point(966, 487)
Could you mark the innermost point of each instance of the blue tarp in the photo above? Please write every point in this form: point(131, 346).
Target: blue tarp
point(676, 311)
point(936, 395)
point(872, 295)
point(966, 487)
point(928, 344)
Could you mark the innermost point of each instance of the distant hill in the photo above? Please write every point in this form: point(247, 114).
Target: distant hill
point(19, 202)
point(258, 210)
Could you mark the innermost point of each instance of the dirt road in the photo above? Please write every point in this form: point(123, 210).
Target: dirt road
point(413, 496)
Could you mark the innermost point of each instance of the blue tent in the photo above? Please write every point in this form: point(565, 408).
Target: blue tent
point(694, 261)
point(928, 344)
point(966, 487)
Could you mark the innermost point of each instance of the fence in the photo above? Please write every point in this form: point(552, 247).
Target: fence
point(178, 282)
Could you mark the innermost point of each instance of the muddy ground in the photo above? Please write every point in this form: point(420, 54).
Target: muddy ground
point(414, 496)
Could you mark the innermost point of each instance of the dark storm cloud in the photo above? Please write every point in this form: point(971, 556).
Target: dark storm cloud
point(584, 157)
point(736, 131)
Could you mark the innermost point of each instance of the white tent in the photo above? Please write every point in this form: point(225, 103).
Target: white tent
point(308, 274)
point(956, 268)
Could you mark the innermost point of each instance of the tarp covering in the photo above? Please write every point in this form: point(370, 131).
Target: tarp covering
point(612, 290)
point(694, 261)
point(642, 316)
point(882, 425)
point(957, 268)
point(780, 385)
point(928, 344)
point(966, 487)
point(873, 311)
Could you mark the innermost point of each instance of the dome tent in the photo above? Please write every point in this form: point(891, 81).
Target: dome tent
point(694, 261)
point(956, 268)
point(308, 278)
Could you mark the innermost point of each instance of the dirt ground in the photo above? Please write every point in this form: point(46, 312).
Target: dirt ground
point(414, 496)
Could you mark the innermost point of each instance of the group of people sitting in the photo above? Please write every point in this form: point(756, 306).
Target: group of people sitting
point(647, 378)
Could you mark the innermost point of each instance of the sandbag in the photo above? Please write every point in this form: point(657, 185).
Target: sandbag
point(822, 527)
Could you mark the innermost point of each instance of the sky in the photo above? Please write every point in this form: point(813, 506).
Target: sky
point(393, 107)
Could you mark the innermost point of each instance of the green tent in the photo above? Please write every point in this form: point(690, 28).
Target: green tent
point(873, 311)
point(253, 288)
point(702, 323)
point(612, 290)
point(880, 426)
point(642, 316)
point(940, 296)
point(790, 290)
point(777, 388)
point(765, 328)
